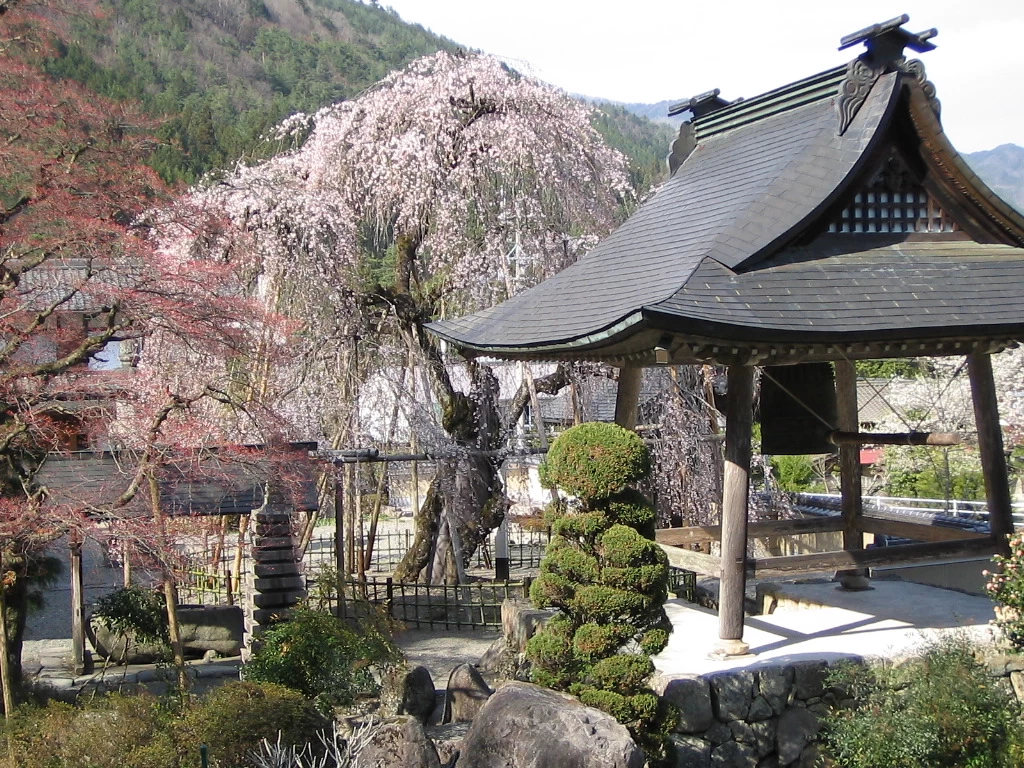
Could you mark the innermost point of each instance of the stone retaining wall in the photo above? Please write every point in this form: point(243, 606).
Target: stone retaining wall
point(769, 716)
point(762, 718)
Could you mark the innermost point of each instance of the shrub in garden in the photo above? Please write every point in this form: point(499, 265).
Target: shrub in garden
point(321, 657)
point(108, 732)
point(941, 710)
point(1006, 587)
point(608, 579)
point(233, 719)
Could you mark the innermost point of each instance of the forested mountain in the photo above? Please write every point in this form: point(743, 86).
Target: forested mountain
point(222, 73)
point(1002, 169)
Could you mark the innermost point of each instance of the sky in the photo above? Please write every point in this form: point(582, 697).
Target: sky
point(652, 50)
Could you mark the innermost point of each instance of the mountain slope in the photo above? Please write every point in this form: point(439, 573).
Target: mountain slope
point(224, 73)
point(1002, 169)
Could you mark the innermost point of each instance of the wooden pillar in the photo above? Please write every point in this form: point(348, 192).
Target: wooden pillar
point(627, 397)
point(849, 471)
point(736, 482)
point(990, 444)
point(77, 606)
point(339, 535)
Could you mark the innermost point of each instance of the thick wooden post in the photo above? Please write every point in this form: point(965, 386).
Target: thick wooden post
point(990, 444)
point(849, 471)
point(738, 417)
point(77, 606)
point(627, 398)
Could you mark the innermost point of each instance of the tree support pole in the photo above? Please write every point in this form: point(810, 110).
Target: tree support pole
point(738, 418)
point(849, 473)
point(990, 446)
point(627, 397)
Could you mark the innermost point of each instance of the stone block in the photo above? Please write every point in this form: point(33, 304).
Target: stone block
point(520, 621)
point(776, 685)
point(764, 737)
point(690, 752)
point(796, 729)
point(733, 755)
point(760, 709)
point(731, 694)
point(692, 695)
point(809, 679)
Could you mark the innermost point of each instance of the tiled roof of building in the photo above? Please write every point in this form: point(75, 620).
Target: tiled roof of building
point(741, 244)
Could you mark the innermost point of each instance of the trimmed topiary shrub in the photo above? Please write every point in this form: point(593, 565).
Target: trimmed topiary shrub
point(596, 460)
point(609, 580)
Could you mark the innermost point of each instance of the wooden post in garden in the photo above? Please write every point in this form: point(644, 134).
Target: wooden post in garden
point(77, 605)
point(627, 396)
point(738, 419)
point(990, 446)
point(339, 535)
point(849, 472)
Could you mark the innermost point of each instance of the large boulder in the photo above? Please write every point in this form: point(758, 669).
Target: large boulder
point(526, 726)
point(203, 628)
point(400, 742)
point(217, 628)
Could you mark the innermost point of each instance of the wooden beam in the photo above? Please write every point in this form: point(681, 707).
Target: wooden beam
point(708, 565)
point(698, 534)
point(627, 396)
point(990, 444)
point(904, 554)
point(735, 485)
point(853, 438)
point(923, 531)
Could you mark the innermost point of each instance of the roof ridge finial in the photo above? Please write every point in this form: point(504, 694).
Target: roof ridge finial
point(885, 41)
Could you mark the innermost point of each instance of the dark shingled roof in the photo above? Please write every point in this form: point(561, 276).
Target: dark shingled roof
point(732, 247)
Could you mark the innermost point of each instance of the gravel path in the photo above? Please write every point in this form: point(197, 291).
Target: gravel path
point(440, 652)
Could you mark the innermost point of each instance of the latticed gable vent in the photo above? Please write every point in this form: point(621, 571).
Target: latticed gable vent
point(893, 201)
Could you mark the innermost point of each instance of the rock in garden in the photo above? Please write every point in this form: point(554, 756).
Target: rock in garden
point(399, 743)
point(467, 692)
point(520, 621)
point(406, 691)
point(218, 628)
point(526, 726)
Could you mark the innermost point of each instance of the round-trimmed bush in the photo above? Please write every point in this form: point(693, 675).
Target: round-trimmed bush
point(609, 579)
point(596, 460)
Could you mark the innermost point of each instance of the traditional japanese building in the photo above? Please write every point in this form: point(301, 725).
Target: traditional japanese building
point(824, 222)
